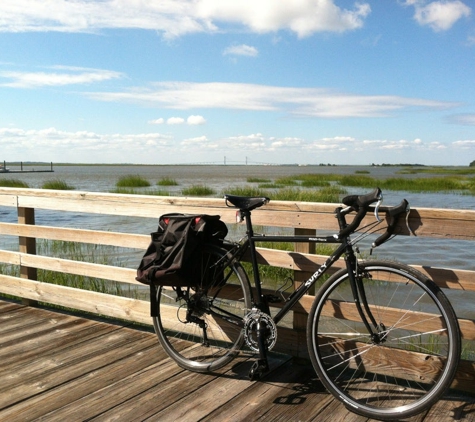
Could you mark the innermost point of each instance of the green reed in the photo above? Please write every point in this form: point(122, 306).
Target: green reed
point(198, 190)
point(133, 191)
point(13, 183)
point(167, 181)
point(93, 253)
point(132, 181)
point(57, 184)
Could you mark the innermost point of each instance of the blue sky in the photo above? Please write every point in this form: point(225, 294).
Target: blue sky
point(262, 81)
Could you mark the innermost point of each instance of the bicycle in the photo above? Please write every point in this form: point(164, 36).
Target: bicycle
point(382, 337)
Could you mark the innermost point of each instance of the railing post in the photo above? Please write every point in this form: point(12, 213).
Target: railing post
point(27, 245)
point(300, 320)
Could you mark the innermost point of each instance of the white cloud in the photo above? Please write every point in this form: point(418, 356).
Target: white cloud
point(303, 17)
point(287, 142)
point(159, 121)
point(51, 144)
point(63, 76)
point(308, 102)
point(241, 50)
point(467, 144)
point(179, 17)
point(195, 120)
point(69, 144)
point(191, 120)
point(175, 121)
point(439, 15)
point(199, 142)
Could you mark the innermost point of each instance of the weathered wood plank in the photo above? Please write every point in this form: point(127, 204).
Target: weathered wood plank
point(121, 391)
point(423, 221)
point(97, 303)
point(121, 373)
point(125, 240)
point(107, 272)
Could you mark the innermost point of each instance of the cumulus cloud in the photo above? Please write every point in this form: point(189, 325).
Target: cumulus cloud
point(466, 144)
point(58, 76)
point(159, 121)
point(303, 17)
point(178, 17)
point(51, 144)
point(191, 120)
point(439, 15)
point(63, 143)
point(308, 102)
point(241, 50)
point(175, 121)
point(195, 120)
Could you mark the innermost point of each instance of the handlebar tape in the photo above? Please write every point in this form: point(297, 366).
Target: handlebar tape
point(360, 204)
point(392, 215)
point(362, 201)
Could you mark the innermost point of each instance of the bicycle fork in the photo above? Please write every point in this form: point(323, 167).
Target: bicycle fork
point(377, 331)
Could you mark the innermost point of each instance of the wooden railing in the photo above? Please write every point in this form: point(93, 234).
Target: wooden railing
point(299, 216)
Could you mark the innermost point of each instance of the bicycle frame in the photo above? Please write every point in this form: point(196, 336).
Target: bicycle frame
point(345, 248)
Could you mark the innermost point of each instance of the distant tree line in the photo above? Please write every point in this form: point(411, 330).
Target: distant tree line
point(472, 164)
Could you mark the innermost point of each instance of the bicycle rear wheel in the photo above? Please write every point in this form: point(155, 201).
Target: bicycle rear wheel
point(408, 365)
point(201, 328)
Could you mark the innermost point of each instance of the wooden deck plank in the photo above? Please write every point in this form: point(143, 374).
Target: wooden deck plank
point(217, 393)
point(280, 394)
point(75, 369)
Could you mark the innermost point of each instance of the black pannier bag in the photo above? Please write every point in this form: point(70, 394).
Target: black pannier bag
point(173, 256)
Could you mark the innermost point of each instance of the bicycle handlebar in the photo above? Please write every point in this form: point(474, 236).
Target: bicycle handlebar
point(361, 204)
point(392, 215)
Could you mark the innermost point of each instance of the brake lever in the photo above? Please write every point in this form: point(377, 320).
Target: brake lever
point(408, 209)
point(376, 208)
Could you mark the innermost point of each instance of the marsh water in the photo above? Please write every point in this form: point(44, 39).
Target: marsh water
point(103, 178)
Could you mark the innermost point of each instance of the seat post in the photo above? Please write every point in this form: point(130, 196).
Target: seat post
point(252, 249)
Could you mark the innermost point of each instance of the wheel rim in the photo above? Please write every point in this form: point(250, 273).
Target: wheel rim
point(404, 369)
point(201, 328)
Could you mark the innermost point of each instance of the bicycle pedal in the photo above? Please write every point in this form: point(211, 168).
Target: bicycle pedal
point(259, 368)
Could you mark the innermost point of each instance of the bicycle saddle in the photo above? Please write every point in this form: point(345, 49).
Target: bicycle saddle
point(245, 203)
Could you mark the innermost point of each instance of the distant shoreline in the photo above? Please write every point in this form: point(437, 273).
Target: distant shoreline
point(44, 163)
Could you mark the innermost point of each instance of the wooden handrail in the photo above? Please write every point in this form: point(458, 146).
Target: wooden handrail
point(302, 217)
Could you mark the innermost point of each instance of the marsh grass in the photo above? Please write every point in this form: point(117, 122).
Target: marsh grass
point(167, 181)
point(132, 191)
point(198, 190)
point(97, 254)
point(57, 184)
point(465, 171)
point(422, 184)
point(432, 184)
point(257, 180)
point(330, 194)
point(317, 180)
point(287, 181)
point(13, 183)
point(269, 186)
point(247, 191)
point(132, 181)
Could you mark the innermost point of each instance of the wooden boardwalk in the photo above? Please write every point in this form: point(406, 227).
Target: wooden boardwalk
point(60, 367)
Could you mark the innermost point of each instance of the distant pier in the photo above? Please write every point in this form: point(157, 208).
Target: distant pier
point(5, 169)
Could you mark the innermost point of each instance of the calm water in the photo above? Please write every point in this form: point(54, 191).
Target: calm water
point(412, 250)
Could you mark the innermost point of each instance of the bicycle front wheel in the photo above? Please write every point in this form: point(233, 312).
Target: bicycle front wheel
point(201, 328)
point(411, 360)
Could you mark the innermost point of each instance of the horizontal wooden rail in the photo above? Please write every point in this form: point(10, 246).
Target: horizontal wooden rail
point(302, 217)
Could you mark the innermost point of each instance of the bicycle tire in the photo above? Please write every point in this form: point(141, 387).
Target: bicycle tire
point(419, 346)
point(224, 290)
